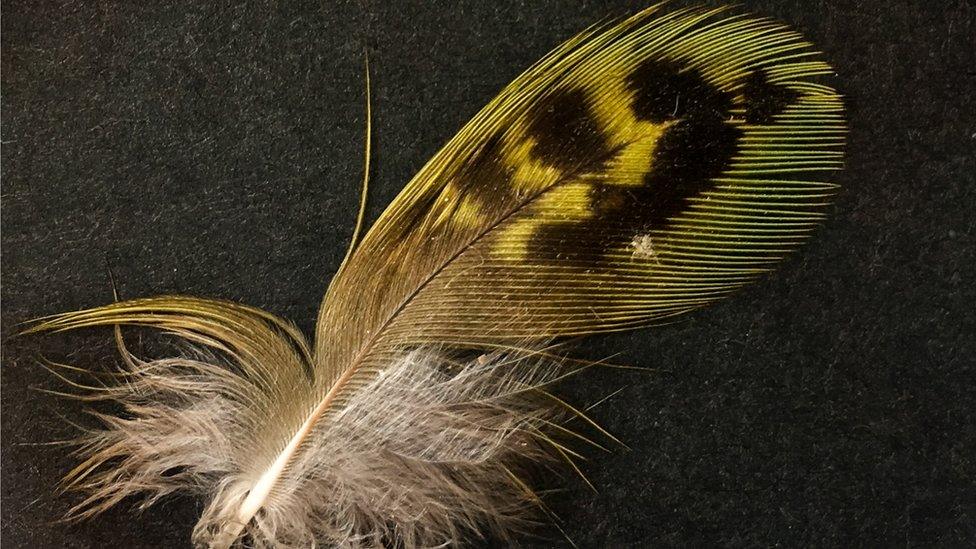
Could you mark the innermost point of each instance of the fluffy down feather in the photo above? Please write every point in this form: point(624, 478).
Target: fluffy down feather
point(431, 450)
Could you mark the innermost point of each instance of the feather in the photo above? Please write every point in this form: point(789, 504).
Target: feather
point(645, 168)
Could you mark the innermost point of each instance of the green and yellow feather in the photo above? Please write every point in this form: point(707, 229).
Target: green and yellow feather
point(645, 168)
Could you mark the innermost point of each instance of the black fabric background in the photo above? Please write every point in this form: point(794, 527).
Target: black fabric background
point(215, 149)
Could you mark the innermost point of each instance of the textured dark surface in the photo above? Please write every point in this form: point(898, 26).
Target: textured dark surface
point(215, 150)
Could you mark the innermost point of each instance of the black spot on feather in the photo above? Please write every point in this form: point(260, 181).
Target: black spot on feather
point(567, 135)
point(609, 199)
point(582, 242)
point(689, 155)
point(663, 91)
point(696, 148)
point(485, 177)
point(764, 99)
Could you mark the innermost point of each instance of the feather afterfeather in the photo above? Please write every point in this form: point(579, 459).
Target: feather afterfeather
point(645, 168)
